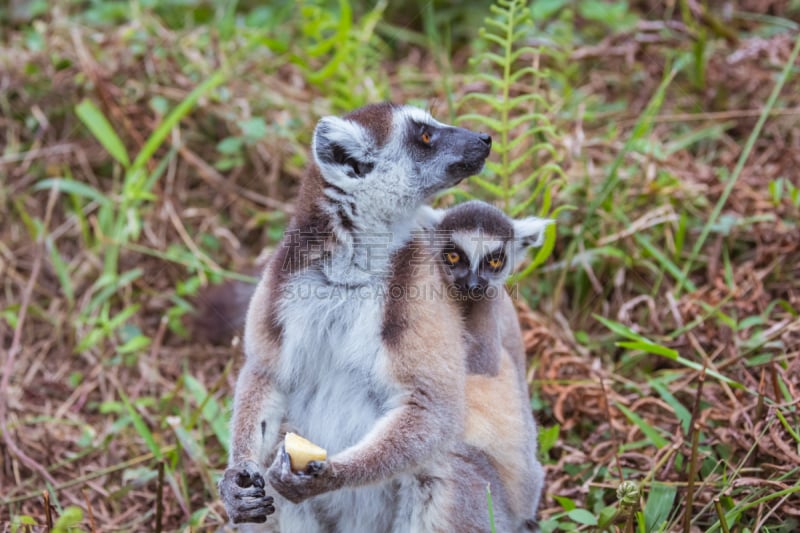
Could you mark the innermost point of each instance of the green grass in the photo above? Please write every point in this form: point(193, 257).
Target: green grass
point(154, 149)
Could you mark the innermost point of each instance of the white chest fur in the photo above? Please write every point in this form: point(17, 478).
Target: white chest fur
point(333, 369)
point(333, 373)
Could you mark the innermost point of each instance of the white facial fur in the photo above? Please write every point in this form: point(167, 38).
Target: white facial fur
point(379, 170)
point(529, 232)
point(478, 245)
point(390, 191)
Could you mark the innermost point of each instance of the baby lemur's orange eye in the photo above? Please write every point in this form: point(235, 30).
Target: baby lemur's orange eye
point(426, 137)
point(452, 257)
point(495, 263)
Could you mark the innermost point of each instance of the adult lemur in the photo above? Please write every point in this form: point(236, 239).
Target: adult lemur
point(479, 246)
point(351, 342)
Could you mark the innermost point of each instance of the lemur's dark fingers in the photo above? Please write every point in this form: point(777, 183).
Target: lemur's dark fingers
point(250, 492)
point(243, 479)
point(244, 475)
point(316, 468)
point(258, 517)
point(248, 477)
point(252, 510)
point(255, 504)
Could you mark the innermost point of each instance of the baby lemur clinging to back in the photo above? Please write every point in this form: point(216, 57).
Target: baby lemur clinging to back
point(479, 247)
point(351, 342)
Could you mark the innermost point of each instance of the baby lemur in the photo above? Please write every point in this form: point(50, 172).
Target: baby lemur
point(351, 342)
point(479, 247)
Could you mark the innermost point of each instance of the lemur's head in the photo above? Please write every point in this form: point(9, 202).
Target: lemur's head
point(380, 162)
point(481, 245)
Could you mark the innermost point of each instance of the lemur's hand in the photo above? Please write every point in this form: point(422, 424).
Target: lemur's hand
point(242, 491)
point(318, 477)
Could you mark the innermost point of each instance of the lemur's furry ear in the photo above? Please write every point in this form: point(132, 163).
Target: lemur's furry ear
point(342, 147)
point(529, 233)
point(428, 217)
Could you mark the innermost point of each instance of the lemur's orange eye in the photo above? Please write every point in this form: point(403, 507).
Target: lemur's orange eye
point(495, 263)
point(426, 137)
point(452, 257)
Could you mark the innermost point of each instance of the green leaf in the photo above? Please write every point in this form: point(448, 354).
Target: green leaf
point(548, 438)
point(140, 425)
point(97, 123)
point(189, 442)
point(61, 268)
point(545, 9)
point(568, 504)
point(135, 344)
point(174, 117)
point(69, 519)
point(73, 187)
point(619, 329)
point(22, 520)
point(491, 188)
point(547, 247)
point(253, 128)
point(230, 145)
point(649, 347)
point(649, 431)
point(211, 410)
point(490, 506)
point(582, 516)
point(665, 262)
point(681, 412)
point(606, 515)
point(658, 506)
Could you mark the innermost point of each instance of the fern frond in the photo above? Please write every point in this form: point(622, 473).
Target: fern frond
point(497, 59)
point(529, 117)
point(484, 98)
point(548, 170)
point(491, 123)
point(491, 80)
point(531, 153)
point(489, 187)
point(494, 169)
point(545, 196)
point(526, 170)
point(494, 38)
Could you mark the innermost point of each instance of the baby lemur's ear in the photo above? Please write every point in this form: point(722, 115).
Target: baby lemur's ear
point(342, 148)
point(428, 218)
point(529, 233)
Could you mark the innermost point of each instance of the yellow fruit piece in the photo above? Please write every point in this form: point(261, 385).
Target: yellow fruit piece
point(301, 451)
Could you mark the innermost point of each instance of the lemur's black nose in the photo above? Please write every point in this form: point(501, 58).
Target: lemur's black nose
point(486, 138)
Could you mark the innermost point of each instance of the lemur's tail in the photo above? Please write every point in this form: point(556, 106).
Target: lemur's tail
point(221, 312)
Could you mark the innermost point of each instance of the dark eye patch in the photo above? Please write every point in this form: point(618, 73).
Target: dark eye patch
point(492, 258)
point(422, 136)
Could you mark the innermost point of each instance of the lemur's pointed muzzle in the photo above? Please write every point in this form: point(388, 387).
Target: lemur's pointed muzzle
point(471, 150)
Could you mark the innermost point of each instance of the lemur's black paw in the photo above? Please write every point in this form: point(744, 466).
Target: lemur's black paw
point(242, 489)
point(316, 468)
point(299, 486)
